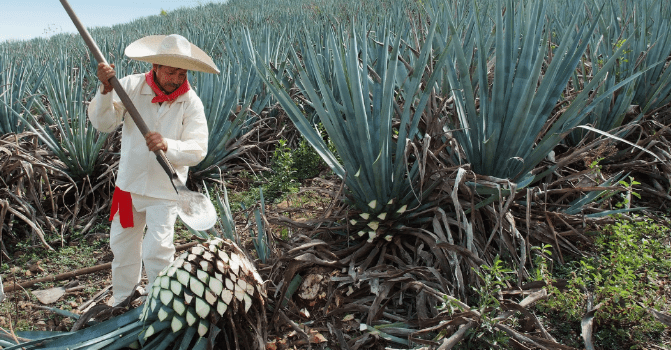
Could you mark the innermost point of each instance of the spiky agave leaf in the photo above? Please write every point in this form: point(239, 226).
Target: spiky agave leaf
point(19, 82)
point(357, 104)
point(505, 134)
point(117, 332)
point(68, 132)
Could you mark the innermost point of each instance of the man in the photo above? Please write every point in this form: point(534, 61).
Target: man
point(144, 195)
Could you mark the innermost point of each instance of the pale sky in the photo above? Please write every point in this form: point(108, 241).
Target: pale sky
point(27, 19)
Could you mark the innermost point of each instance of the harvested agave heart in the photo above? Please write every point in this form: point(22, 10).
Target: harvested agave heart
point(210, 290)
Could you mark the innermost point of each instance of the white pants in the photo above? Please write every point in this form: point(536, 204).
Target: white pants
point(130, 250)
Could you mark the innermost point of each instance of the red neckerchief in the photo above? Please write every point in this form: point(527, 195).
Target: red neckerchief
point(160, 95)
point(122, 202)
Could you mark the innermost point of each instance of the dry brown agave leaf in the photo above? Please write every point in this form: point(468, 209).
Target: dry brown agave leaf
point(31, 223)
point(457, 336)
point(587, 322)
point(35, 186)
point(529, 316)
point(660, 316)
point(536, 341)
point(462, 251)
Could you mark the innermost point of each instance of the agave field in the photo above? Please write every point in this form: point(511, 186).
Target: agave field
point(474, 175)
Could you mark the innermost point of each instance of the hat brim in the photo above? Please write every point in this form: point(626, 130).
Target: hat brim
point(145, 49)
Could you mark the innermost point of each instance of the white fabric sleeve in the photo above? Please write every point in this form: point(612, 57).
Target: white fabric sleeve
point(191, 148)
point(106, 111)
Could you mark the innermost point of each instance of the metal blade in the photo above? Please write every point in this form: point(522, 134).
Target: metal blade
point(194, 208)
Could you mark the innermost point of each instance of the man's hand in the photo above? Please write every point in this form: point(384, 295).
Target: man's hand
point(155, 142)
point(105, 72)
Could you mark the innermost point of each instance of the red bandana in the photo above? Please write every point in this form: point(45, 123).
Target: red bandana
point(160, 95)
point(122, 202)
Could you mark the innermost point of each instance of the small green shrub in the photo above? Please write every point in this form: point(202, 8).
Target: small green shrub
point(487, 294)
point(486, 298)
point(288, 167)
point(542, 263)
point(281, 179)
point(306, 161)
point(631, 258)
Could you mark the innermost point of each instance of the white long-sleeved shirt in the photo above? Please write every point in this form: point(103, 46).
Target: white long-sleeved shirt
point(182, 124)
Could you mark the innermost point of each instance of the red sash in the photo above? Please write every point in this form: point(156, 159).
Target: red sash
point(122, 203)
point(160, 95)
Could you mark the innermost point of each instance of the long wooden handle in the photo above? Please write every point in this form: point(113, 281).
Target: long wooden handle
point(130, 107)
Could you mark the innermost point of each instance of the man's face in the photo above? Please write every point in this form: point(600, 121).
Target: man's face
point(169, 78)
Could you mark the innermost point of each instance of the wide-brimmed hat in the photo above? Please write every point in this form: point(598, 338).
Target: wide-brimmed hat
point(171, 50)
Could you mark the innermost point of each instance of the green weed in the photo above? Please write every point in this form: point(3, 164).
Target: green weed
point(288, 167)
point(486, 297)
point(280, 180)
point(596, 169)
point(626, 197)
point(306, 161)
point(624, 275)
point(543, 263)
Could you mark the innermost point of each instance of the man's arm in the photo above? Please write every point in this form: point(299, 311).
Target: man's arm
point(191, 148)
point(105, 110)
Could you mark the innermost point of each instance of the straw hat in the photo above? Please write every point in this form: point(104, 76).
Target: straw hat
point(171, 50)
